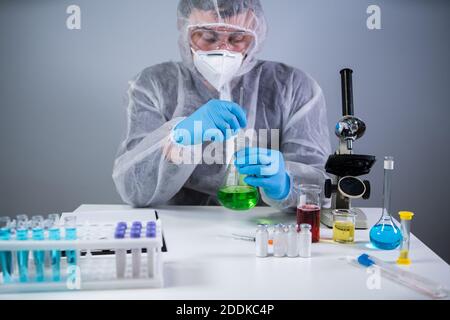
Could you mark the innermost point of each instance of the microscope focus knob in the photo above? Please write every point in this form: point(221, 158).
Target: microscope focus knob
point(328, 190)
point(366, 194)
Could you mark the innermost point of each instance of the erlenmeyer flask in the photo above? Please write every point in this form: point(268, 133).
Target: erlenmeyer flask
point(385, 234)
point(235, 194)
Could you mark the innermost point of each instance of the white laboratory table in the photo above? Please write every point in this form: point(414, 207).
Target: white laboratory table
point(201, 264)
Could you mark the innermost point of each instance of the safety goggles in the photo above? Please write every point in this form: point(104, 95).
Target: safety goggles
point(207, 39)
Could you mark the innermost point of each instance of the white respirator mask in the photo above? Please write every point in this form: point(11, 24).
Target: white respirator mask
point(218, 67)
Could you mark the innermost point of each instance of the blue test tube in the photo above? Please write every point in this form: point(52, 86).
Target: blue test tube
point(70, 225)
point(37, 223)
point(55, 255)
point(22, 255)
point(5, 256)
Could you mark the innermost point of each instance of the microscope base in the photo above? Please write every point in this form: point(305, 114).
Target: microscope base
point(326, 217)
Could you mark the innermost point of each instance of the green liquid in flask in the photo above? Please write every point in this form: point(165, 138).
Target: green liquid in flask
point(238, 198)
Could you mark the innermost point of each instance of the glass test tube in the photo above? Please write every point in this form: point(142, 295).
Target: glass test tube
point(37, 224)
point(55, 255)
point(70, 225)
point(5, 256)
point(22, 255)
point(52, 219)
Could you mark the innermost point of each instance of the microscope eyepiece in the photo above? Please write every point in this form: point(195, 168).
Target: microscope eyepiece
point(347, 92)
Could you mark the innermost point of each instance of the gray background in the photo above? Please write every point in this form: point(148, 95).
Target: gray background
point(62, 112)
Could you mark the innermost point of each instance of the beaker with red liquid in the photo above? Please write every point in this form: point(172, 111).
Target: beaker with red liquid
point(308, 209)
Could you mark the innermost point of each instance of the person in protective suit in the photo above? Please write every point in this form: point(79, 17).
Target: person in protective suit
point(221, 85)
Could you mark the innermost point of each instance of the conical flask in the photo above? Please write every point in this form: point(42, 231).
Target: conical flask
point(235, 194)
point(385, 234)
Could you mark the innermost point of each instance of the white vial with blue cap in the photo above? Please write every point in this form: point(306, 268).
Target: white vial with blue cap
point(151, 252)
point(121, 254)
point(135, 233)
point(70, 225)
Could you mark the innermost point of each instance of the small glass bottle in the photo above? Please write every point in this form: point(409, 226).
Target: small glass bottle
point(385, 234)
point(262, 241)
point(305, 240)
point(292, 241)
point(279, 241)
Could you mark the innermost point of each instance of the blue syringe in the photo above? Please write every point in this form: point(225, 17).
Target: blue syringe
point(403, 277)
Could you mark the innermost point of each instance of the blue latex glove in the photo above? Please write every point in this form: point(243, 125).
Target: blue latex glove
point(266, 169)
point(219, 120)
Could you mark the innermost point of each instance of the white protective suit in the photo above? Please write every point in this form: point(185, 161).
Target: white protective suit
point(276, 96)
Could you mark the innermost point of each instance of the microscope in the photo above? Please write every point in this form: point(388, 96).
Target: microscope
point(345, 166)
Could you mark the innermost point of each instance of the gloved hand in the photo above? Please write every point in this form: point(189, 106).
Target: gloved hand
point(220, 120)
point(265, 169)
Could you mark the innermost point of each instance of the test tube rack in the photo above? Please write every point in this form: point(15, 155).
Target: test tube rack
point(95, 269)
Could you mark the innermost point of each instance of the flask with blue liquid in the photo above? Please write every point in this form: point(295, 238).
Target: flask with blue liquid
point(385, 234)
